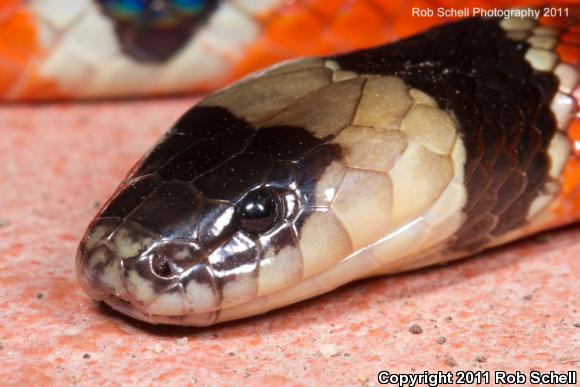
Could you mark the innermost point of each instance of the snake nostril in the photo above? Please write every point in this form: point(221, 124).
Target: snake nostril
point(161, 265)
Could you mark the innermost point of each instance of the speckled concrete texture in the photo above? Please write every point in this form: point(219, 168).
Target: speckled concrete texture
point(514, 308)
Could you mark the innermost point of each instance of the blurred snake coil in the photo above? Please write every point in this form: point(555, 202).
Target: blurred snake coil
point(395, 143)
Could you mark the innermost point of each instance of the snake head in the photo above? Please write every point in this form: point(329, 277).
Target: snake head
point(212, 218)
point(268, 192)
point(280, 187)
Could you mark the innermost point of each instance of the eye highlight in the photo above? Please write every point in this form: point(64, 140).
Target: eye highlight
point(259, 211)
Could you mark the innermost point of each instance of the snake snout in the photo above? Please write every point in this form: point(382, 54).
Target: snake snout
point(133, 271)
point(110, 247)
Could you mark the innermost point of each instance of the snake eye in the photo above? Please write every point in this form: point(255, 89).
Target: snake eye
point(259, 211)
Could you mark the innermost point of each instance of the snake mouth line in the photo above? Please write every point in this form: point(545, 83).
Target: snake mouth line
point(127, 308)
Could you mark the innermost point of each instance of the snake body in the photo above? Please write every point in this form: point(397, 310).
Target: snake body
point(315, 172)
point(71, 49)
point(320, 171)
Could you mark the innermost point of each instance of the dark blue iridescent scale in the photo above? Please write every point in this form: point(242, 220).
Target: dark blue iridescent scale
point(156, 30)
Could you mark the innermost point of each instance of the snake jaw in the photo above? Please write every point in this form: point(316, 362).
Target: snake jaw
point(127, 308)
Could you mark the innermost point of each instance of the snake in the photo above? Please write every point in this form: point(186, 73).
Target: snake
point(359, 159)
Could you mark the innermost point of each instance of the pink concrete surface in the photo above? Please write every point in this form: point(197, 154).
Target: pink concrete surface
point(515, 308)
